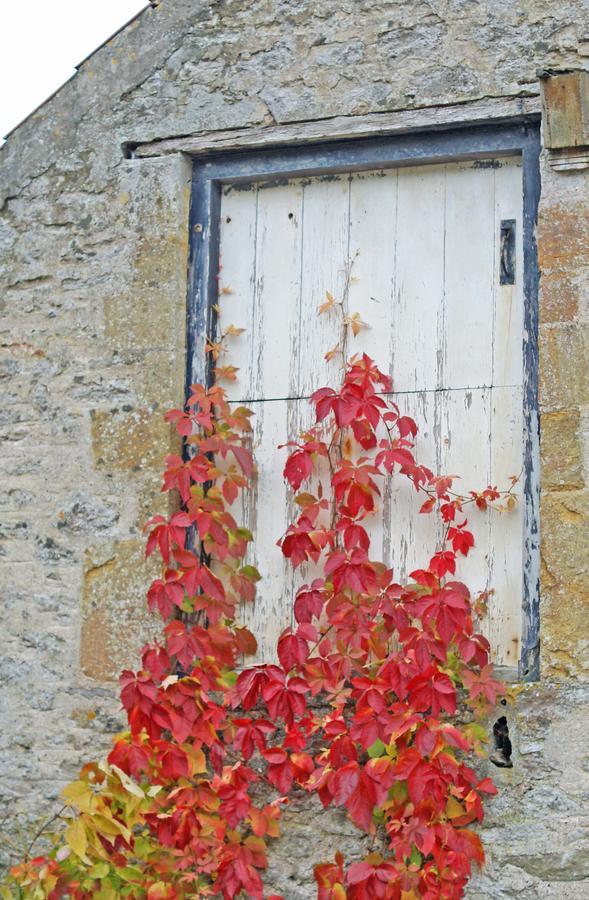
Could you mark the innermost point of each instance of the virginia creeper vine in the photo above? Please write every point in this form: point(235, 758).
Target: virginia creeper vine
point(374, 703)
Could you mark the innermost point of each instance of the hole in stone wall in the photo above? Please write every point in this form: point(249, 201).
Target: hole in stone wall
point(501, 755)
point(129, 148)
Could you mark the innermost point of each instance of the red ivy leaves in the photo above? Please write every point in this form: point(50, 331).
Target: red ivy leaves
point(361, 788)
point(299, 464)
point(387, 660)
point(165, 535)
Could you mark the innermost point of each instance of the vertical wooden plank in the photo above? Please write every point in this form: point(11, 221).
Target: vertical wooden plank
point(469, 251)
point(410, 538)
point(373, 233)
point(504, 620)
point(274, 341)
point(325, 267)
point(465, 453)
point(267, 509)
point(418, 303)
point(373, 226)
point(509, 308)
point(237, 279)
point(318, 484)
point(263, 509)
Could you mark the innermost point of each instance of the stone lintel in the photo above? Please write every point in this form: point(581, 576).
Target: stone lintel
point(477, 112)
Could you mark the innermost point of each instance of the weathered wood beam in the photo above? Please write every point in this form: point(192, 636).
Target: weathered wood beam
point(493, 110)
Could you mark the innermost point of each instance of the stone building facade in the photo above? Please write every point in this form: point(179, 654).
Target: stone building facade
point(94, 219)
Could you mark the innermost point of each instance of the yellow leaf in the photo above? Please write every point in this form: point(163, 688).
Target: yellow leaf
point(333, 352)
point(257, 844)
point(454, 809)
point(328, 304)
point(347, 448)
point(228, 373)
point(233, 330)
point(131, 786)
point(355, 323)
point(198, 759)
point(214, 348)
point(513, 691)
point(108, 826)
point(105, 893)
point(304, 500)
point(80, 794)
point(75, 836)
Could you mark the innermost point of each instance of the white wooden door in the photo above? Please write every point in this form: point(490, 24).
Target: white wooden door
point(420, 247)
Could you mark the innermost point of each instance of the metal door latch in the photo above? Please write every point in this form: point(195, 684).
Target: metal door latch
point(507, 252)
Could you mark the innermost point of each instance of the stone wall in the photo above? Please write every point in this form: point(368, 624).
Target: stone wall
point(93, 289)
point(563, 248)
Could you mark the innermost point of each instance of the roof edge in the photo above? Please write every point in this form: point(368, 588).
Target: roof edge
point(152, 4)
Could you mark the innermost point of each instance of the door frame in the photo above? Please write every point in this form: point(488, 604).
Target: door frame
point(482, 142)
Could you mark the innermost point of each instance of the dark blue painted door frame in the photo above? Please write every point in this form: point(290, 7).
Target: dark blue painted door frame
point(520, 138)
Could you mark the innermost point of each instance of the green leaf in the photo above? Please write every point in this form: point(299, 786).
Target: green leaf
point(378, 815)
point(377, 749)
point(99, 870)
point(228, 678)
point(250, 572)
point(416, 857)
point(143, 848)
point(106, 892)
point(398, 792)
point(130, 873)
point(477, 731)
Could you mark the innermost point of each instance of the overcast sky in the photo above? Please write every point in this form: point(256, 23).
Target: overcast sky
point(42, 40)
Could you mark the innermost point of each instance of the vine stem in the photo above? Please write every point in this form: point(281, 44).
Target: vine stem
point(43, 828)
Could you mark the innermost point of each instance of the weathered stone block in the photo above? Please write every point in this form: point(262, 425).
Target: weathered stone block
point(115, 620)
point(564, 366)
point(86, 514)
point(562, 295)
point(565, 584)
point(130, 441)
point(563, 235)
point(140, 320)
point(565, 535)
point(151, 501)
point(159, 379)
point(562, 451)
point(564, 640)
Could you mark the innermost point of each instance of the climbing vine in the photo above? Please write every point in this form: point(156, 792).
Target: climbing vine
point(374, 703)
